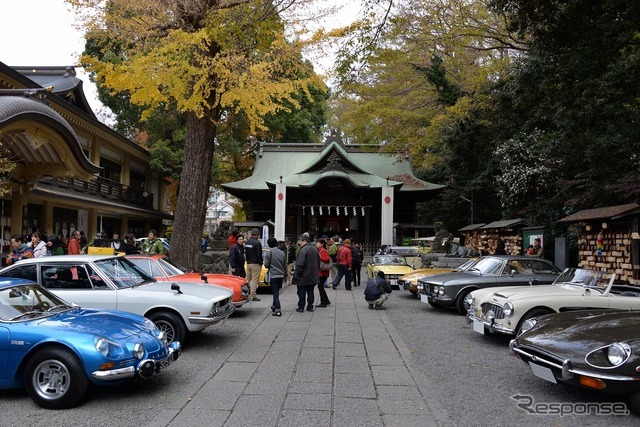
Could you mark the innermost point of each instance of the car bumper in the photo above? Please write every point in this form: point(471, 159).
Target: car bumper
point(143, 369)
point(213, 318)
point(443, 300)
point(564, 371)
point(238, 304)
point(480, 325)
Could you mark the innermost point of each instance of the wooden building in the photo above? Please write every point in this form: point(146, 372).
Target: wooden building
point(514, 232)
point(71, 172)
point(333, 189)
point(609, 240)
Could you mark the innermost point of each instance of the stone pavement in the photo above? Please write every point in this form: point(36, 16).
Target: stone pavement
point(343, 365)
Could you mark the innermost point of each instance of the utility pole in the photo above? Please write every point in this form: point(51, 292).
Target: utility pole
point(471, 202)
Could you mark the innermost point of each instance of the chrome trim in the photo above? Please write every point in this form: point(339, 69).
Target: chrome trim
point(212, 319)
point(493, 327)
point(606, 367)
point(569, 370)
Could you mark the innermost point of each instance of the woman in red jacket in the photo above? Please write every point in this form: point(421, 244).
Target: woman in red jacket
point(323, 275)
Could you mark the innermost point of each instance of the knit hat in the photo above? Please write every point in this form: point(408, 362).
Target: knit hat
point(255, 232)
point(347, 242)
point(305, 237)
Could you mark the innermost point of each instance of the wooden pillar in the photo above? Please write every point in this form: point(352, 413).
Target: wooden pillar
point(18, 200)
point(47, 221)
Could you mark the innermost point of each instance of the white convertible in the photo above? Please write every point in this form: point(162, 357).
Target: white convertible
point(504, 309)
point(115, 283)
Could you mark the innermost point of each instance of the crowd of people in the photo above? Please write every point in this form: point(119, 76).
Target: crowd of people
point(306, 263)
point(38, 244)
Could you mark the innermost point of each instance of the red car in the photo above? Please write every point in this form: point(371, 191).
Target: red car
point(163, 269)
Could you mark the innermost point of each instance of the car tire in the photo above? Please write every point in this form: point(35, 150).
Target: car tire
point(55, 379)
point(172, 326)
point(459, 304)
point(530, 314)
point(634, 400)
point(434, 305)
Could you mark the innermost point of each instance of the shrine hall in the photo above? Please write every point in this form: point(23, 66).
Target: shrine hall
point(352, 191)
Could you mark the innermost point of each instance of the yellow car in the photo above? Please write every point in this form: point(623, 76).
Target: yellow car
point(261, 282)
point(409, 282)
point(393, 266)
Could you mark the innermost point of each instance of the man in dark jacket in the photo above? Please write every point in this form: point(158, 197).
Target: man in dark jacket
point(253, 254)
point(377, 291)
point(236, 257)
point(305, 275)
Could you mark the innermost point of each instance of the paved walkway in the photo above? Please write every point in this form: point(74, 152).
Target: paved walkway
point(343, 365)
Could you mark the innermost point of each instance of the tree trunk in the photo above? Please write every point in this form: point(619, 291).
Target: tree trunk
point(188, 223)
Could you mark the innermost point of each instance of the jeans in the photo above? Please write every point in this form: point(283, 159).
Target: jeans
point(276, 284)
point(324, 299)
point(355, 273)
point(343, 270)
point(305, 290)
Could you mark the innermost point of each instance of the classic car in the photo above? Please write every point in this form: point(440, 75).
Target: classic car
point(55, 349)
point(164, 269)
point(503, 310)
point(593, 349)
point(393, 266)
point(409, 282)
point(114, 282)
point(445, 290)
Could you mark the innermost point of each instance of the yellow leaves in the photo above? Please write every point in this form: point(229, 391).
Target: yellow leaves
point(200, 58)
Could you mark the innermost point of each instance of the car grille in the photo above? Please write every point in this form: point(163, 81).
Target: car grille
point(497, 310)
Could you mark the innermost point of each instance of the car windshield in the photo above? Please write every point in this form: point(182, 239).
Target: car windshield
point(488, 265)
point(28, 302)
point(388, 260)
point(122, 272)
point(172, 268)
point(580, 276)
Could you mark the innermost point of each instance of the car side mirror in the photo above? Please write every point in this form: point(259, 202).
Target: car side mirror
point(533, 282)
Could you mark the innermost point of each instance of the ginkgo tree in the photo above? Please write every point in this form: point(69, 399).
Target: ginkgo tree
point(205, 59)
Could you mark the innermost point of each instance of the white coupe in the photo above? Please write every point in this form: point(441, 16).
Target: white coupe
point(115, 283)
point(505, 309)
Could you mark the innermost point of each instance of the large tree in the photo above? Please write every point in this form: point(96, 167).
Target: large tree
point(205, 59)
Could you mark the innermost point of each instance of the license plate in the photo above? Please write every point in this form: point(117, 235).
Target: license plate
point(542, 372)
point(424, 298)
point(393, 282)
point(165, 362)
point(478, 326)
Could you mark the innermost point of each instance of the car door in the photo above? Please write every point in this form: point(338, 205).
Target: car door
point(79, 284)
point(515, 273)
point(543, 272)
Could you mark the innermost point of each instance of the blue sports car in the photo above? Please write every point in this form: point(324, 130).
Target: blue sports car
point(55, 349)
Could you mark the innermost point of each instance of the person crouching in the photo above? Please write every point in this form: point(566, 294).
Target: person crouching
point(377, 291)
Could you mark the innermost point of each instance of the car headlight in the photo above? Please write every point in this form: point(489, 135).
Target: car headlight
point(528, 325)
point(138, 351)
point(108, 348)
point(470, 299)
point(507, 309)
point(618, 353)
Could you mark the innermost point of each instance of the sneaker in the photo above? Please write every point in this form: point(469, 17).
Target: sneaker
point(370, 306)
point(321, 305)
point(310, 308)
point(300, 310)
point(327, 286)
point(334, 288)
point(277, 313)
point(255, 299)
point(380, 307)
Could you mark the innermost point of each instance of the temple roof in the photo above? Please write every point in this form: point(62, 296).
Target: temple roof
point(305, 165)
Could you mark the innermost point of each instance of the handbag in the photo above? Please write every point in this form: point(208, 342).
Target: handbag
point(326, 266)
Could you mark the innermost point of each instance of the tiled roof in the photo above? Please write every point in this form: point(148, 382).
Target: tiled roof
point(609, 212)
point(505, 223)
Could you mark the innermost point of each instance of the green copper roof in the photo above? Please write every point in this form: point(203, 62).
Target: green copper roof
point(305, 165)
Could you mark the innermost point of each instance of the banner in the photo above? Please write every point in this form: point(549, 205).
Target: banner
point(281, 209)
point(386, 236)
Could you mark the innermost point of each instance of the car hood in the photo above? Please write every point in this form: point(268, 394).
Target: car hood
point(104, 323)
point(440, 279)
point(574, 334)
point(200, 289)
point(415, 275)
point(226, 280)
point(516, 293)
point(393, 269)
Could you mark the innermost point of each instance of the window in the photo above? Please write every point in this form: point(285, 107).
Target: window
point(23, 272)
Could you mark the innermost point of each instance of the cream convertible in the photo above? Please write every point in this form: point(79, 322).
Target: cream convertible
point(505, 309)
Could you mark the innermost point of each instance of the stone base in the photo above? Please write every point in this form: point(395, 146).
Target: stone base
point(214, 262)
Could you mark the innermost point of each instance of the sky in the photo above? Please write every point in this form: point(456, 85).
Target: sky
point(42, 33)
